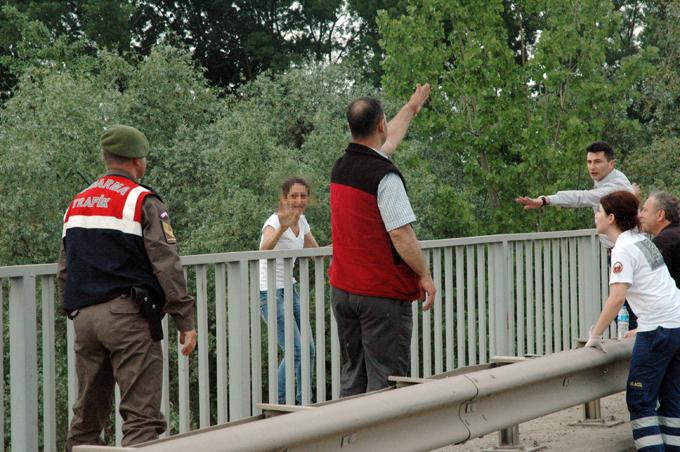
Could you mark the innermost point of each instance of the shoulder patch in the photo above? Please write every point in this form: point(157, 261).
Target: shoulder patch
point(617, 267)
point(169, 234)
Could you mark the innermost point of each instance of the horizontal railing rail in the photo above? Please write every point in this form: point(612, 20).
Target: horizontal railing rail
point(511, 294)
point(432, 414)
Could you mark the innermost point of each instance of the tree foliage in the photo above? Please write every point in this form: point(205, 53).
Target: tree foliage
point(50, 129)
point(520, 89)
point(232, 41)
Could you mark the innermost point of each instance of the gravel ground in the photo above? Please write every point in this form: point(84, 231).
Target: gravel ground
point(554, 433)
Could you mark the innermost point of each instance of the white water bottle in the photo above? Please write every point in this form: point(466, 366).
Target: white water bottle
point(622, 322)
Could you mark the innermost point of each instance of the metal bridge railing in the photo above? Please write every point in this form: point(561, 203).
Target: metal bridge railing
point(512, 294)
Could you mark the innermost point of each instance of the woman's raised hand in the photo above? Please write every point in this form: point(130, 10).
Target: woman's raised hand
point(288, 216)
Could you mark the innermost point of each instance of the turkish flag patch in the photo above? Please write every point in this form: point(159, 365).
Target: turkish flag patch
point(617, 267)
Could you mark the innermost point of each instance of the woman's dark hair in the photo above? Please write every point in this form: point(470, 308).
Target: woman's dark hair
point(624, 206)
point(288, 183)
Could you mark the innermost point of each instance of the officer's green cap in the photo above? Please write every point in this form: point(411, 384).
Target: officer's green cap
point(125, 141)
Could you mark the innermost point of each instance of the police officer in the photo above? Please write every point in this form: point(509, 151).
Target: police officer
point(117, 241)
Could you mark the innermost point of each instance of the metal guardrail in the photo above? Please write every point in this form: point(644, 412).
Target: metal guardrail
point(436, 413)
point(511, 294)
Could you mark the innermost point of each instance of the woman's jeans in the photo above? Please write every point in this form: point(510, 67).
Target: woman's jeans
point(280, 323)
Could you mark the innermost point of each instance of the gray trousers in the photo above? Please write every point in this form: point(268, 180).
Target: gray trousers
point(113, 345)
point(375, 340)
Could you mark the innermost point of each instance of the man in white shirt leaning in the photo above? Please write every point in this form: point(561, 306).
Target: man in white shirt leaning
point(606, 179)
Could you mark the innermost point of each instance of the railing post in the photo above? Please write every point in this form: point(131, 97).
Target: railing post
point(23, 363)
point(593, 302)
point(71, 377)
point(320, 302)
point(255, 336)
point(592, 416)
point(289, 337)
point(48, 357)
point(221, 343)
point(239, 338)
point(165, 391)
point(501, 303)
point(508, 440)
point(183, 375)
point(203, 348)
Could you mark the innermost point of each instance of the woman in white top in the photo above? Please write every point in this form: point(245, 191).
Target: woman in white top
point(285, 230)
point(638, 274)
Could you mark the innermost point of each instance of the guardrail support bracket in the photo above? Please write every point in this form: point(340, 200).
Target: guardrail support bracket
point(508, 440)
point(592, 417)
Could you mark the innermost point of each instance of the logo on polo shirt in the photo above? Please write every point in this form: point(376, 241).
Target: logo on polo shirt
point(617, 267)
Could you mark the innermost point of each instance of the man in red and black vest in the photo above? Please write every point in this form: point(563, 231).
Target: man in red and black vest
point(377, 268)
point(119, 272)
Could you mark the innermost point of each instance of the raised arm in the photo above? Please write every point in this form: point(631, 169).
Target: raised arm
point(397, 127)
point(271, 236)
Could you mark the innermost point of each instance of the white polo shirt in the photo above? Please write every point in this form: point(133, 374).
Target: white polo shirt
point(288, 241)
point(652, 293)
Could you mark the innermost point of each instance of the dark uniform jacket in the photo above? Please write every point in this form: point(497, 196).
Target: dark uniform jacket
point(117, 235)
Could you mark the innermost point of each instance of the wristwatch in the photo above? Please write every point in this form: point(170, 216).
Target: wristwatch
point(544, 201)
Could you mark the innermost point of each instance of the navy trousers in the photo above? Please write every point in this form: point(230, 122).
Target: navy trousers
point(655, 377)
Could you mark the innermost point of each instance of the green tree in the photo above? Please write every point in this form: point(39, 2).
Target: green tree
point(237, 41)
point(50, 133)
point(233, 42)
point(657, 156)
point(512, 119)
point(366, 50)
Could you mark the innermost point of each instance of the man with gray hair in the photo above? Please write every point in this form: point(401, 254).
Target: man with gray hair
point(660, 217)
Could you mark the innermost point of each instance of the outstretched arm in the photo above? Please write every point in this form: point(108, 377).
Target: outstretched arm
point(397, 127)
point(569, 198)
point(532, 203)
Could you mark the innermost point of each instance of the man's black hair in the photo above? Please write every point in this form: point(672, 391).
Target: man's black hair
point(602, 146)
point(363, 116)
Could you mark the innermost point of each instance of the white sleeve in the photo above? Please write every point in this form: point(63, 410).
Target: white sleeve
point(623, 265)
point(579, 198)
point(393, 203)
point(272, 221)
point(590, 198)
